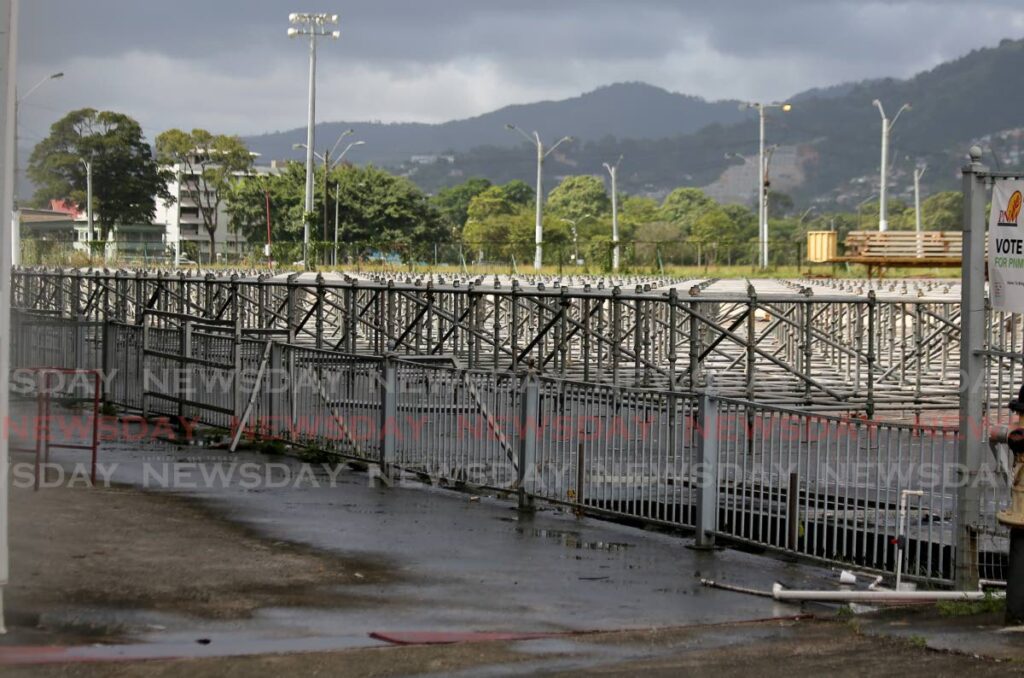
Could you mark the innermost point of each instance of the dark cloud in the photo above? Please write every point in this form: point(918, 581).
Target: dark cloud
point(228, 62)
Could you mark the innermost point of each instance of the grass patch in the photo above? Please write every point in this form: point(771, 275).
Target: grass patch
point(273, 447)
point(918, 641)
point(966, 608)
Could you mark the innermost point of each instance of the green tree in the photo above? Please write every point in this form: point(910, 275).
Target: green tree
point(452, 203)
point(491, 202)
point(656, 239)
point(209, 165)
point(579, 196)
point(715, 231)
point(682, 206)
point(779, 204)
point(385, 212)
point(126, 178)
point(942, 211)
point(519, 192)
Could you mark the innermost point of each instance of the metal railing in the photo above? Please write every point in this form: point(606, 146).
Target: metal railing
point(608, 421)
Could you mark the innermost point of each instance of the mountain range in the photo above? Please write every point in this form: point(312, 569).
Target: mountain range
point(828, 143)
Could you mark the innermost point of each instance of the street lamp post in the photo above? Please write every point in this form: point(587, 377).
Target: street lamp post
point(15, 216)
point(328, 166)
point(918, 173)
point(762, 212)
point(887, 125)
point(613, 172)
point(575, 236)
point(88, 199)
point(314, 25)
point(541, 155)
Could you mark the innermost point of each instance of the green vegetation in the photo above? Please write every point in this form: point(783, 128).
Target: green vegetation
point(217, 159)
point(688, 230)
point(126, 179)
point(966, 608)
point(377, 212)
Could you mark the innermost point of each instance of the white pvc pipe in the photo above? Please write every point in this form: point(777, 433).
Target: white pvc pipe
point(877, 595)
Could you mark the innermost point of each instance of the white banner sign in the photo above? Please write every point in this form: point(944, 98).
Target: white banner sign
point(1006, 247)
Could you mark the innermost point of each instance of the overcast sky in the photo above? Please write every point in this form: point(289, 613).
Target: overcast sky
point(228, 66)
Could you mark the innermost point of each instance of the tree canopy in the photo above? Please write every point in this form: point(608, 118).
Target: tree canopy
point(210, 165)
point(127, 181)
point(376, 210)
point(579, 196)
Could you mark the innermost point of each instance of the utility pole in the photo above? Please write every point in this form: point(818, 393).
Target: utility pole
point(266, 198)
point(313, 25)
point(538, 257)
point(918, 173)
point(88, 198)
point(887, 125)
point(328, 166)
point(762, 211)
point(613, 170)
point(177, 217)
point(327, 171)
point(337, 197)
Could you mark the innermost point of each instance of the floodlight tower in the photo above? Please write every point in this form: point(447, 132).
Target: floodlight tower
point(314, 25)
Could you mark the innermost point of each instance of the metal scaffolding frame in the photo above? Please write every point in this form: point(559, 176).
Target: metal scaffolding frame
point(847, 346)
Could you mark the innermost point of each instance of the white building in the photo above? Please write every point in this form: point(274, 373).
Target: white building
point(182, 222)
point(177, 226)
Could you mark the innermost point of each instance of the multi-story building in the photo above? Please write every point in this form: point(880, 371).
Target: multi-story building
point(177, 227)
point(182, 220)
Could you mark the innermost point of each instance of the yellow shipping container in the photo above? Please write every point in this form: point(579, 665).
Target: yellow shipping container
point(821, 246)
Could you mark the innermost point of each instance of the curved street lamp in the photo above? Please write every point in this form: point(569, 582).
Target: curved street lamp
point(542, 153)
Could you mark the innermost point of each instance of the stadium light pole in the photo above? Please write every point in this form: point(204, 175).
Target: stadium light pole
point(541, 155)
point(762, 213)
point(315, 26)
point(887, 125)
point(613, 172)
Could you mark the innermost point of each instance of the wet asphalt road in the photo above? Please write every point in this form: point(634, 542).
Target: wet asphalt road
point(466, 563)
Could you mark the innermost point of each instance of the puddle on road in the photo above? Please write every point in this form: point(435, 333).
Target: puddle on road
point(572, 539)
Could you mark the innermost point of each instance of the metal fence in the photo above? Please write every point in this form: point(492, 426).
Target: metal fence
point(818, 486)
point(659, 409)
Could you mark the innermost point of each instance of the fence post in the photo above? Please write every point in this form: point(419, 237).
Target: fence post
point(140, 368)
point(106, 350)
point(388, 414)
point(972, 365)
point(529, 427)
point(707, 478)
point(276, 385)
point(185, 371)
point(78, 359)
point(238, 399)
